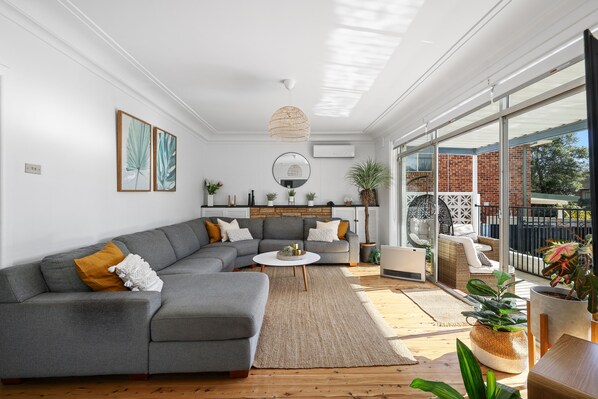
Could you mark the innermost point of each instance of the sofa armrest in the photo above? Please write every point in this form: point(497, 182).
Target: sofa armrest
point(353, 240)
point(494, 243)
point(77, 333)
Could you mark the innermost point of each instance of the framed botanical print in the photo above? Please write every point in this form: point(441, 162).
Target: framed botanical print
point(133, 153)
point(164, 160)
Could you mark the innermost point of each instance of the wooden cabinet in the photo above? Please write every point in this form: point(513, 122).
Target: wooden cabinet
point(232, 212)
point(356, 217)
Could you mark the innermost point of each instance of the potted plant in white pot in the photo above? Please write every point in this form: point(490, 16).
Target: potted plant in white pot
point(271, 197)
point(211, 188)
point(367, 177)
point(292, 194)
point(498, 338)
point(310, 198)
point(570, 310)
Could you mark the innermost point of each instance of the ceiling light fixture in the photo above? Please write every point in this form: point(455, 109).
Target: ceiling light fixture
point(289, 123)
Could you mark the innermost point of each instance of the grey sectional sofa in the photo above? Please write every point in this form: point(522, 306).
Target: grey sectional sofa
point(51, 324)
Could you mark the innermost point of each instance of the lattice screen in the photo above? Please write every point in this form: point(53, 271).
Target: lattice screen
point(460, 205)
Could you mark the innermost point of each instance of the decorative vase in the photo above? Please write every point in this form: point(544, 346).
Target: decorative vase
point(310, 203)
point(564, 316)
point(499, 350)
point(291, 200)
point(270, 203)
point(210, 199)
point(365, 249)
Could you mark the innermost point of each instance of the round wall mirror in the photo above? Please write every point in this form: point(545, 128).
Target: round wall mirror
point(291, 170)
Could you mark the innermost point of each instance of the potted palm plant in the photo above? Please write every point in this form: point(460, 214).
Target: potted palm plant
point(498, 337)
point(570, 309)
point(367, 176)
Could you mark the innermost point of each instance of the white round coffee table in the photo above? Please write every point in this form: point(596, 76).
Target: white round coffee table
point(270, 259)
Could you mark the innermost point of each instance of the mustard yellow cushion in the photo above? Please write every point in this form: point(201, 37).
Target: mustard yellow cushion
point(213, 232)
point(343, 227)
point(93, 269)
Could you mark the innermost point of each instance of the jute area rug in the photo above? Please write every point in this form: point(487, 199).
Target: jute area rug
point(328, 326)
point(444, 308)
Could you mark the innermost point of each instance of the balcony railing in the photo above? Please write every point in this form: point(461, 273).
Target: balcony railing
point(531, 226)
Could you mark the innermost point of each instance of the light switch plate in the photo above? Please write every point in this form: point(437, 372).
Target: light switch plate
point(32, 168)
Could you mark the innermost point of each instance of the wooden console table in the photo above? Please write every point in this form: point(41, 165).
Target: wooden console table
point(569, 370)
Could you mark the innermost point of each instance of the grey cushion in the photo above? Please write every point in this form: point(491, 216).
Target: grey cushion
point(310, 223)
point(152, 246)
point(182, 238)
point(193, 266)
point(322, 247)
point(199, 228)
point(255, 226)
point(268, 245)
point(59, 269)
point(226, 254)
point(19, 283)
point(245, 247)
point(287, 228)
point(216, 307)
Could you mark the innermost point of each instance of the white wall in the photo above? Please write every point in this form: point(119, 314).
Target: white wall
point(56, 113)
point(242, 167)
point(387, 216)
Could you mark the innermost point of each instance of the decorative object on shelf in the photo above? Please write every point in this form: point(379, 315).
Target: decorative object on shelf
point(292, 194)
point(211, 188)
point(291, 170)
point(569, 310)
point(498, 337)
point(348, 201)
point(271, 197)
point(289, 123)
point(252, 198)
point(133, 153)
point(473, 381)
point(234, 202)
point(367, 176)
point(310, 198)
point(164, 160)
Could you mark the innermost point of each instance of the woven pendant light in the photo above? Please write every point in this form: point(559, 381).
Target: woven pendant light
point(289, 123)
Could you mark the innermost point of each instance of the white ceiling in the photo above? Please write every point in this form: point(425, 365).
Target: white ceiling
point(357, 63)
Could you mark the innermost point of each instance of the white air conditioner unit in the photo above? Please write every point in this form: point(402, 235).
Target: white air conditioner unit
point(334, 151)
point(403, 263)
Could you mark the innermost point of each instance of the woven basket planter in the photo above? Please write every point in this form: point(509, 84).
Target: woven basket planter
point(502, 351)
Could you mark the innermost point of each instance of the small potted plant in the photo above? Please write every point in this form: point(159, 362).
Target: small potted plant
point(569, 309)
point(367, 177)
point(292, 194)
point(310, 198)
point(498, 338)
point(271, 197)
point(212, 188)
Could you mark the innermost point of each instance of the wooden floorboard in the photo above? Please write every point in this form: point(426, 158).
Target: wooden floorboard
point(433, 346)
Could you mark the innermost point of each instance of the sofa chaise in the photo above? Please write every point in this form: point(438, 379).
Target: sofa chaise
point(52, 324)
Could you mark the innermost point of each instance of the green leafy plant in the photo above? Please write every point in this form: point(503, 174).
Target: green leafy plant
point(570, 263)
point(292, 192)
point(310, 196)
point(288, 250)
point(212, 187)
point(494, 308)
point(271, 196)
point(138, 149)
point(375, 256)
point(367, 177)
point(472, 379)
point(165, 161)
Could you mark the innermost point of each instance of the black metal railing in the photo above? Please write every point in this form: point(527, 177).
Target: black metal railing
point(531, 226)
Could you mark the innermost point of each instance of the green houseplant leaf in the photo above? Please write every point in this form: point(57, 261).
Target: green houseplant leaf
point(138, 148)
point(440, 389)
point(166, 161)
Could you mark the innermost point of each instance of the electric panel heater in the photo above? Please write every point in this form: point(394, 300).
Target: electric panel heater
point(403, 263)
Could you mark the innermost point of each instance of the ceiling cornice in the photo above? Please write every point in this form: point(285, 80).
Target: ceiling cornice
point(263, 137)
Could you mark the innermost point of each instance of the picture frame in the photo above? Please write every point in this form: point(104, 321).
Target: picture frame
point(133, 153)
point(165, 160)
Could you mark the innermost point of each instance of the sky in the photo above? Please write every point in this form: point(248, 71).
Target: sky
point(582, 138)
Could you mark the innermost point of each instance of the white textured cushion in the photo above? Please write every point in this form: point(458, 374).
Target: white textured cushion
point(226, 226)
point(465, 230)
point(422, 228)
point(239, 235)
point(481, 247)
point(489, 269)
point(332, 225)
point(470, 252)
point(326, 235)
point(418, 240)
point(137, 274)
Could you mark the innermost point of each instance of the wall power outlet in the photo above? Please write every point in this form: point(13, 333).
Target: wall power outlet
point(32, 168)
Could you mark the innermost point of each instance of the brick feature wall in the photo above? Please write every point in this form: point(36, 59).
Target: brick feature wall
point(303, 211)
point(455, 173)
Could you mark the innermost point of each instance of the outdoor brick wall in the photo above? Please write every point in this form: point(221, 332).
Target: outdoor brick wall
point(424, 184)
point(455, 173)
point(303, 211)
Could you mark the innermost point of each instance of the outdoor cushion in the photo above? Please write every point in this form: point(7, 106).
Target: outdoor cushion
point(226, 255)
point(489, 270)
point(323, 247)
point(289, 228)
point(59, 269)
point(193, 266)
point(199, 228)
point(421, 228)
point(268, 245)
point(470, 253)
point(152, 246)
point(481, 247)
point(210, 307)
point(246, 247)
point(182, 238)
